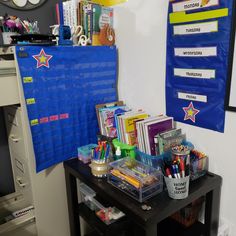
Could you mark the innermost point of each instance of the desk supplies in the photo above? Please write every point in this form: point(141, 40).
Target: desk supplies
point(85, 152)
point(144, 221)
point(117, 154)
point(177, 187)
point(135, 179)
point(107, 214)
point(166, 140)
point(64, 35)
point(100, 159)
point(199, 163)
point(126, 150)
point(177, 172)
point(33, 39)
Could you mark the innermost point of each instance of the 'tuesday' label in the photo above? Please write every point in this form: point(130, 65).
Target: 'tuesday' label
point(192, 97)
point(195, 73)
point(193, 4)
point(196, 52)
point(200, 28)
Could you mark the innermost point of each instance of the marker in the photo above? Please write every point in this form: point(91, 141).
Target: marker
point(168, 174)
point(181, 166)
point(187, 166)
point(177, 171)
point(174, 171)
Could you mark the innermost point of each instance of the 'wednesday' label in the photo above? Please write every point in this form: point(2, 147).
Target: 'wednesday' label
point(192, 97)
point(207, 27)
point(193, 4)
point(195, 73)
point(196, 52)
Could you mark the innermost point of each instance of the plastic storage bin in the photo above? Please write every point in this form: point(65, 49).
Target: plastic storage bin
point(107, 214)
point(85, 152)
point(198, 164)
point(153, 161)
point(135, 179)
point(87, 196)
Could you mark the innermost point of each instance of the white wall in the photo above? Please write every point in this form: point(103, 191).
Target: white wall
point(141, 40)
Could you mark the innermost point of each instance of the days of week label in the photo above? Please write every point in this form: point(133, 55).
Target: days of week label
point(196, 52)
point(30, 101)
point(195, 73)
point(34, 122)
point(193, 4)
point(28, 80)
point(192, 97)
point(200, 28)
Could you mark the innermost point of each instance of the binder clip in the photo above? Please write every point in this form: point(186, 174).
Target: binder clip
point(64, 35)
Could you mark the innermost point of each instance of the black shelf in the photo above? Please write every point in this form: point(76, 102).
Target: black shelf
point(94, 233)
point(115, 228)
point(170, 227)
point(145, 223)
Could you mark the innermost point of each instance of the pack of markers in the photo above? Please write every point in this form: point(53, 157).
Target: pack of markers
point(100, 159)
point(177, 172)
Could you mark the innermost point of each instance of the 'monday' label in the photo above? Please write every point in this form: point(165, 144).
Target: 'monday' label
point(193, 4)
point(207, 27)
point(196, 52)
point(195, 73)
point(192, 97)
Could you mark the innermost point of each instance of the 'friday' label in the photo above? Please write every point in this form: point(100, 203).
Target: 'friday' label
point(207, 27)
point(195, 73)
point(196, 52)
point(192, 97)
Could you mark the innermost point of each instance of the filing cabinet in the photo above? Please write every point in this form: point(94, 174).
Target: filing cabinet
point(9, 92)
point(12, 103)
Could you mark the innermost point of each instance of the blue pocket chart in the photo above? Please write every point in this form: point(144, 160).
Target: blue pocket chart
point(198, 44)
point(62, 85)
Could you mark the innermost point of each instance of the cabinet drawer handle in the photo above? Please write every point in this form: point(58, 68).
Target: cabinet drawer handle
point(14, 139)
point(20, 183)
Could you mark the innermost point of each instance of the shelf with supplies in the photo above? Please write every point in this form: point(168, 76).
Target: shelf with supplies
point(146, 222)
point(101, 228)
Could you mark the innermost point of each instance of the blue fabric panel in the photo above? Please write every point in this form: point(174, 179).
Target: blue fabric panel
point(211, 114)
point(65, 84)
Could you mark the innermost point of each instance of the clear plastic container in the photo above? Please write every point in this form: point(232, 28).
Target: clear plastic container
point(107, 214)
point(136, 179)
point(199, 163)
point(87, 196)
point(85, 152)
